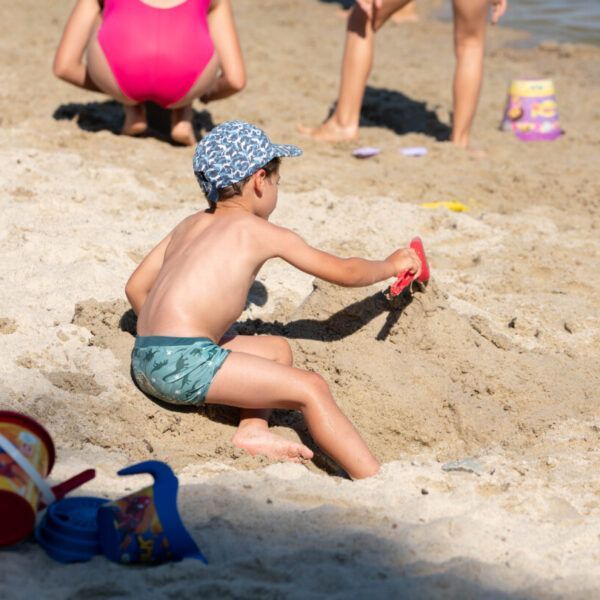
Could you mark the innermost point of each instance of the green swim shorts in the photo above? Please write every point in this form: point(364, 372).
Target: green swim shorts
point(178, 370)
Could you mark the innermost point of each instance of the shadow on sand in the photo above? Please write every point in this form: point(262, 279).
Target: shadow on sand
point(108, 116)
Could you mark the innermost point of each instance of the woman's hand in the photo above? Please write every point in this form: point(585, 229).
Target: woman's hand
point(498, 9)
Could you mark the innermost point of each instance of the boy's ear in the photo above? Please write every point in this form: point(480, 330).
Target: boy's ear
point(258, 180)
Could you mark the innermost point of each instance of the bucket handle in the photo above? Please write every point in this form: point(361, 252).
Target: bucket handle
point(45, 490)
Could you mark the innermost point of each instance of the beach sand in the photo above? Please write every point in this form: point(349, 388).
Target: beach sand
point(497, 361)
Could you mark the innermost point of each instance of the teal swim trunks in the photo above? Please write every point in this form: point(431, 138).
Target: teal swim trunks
point(178, 370)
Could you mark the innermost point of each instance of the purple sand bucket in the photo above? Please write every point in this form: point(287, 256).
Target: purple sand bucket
point(531, 111)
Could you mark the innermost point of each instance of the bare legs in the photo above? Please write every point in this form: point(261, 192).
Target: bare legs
point(469, 39)
point(253, 433)
point(356, 67)
point(81, 37)
point(251, 382)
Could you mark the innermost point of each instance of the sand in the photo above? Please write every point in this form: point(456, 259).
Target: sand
point(496, 362)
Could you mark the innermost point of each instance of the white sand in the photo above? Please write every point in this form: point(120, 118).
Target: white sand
point(447, 379)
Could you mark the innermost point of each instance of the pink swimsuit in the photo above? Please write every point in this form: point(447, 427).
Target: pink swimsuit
point(156, 54)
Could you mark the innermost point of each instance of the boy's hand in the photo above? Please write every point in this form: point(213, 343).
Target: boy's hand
point(405, 260)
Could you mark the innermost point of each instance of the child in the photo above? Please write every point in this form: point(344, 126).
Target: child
point(165, 51)
point(193, 286)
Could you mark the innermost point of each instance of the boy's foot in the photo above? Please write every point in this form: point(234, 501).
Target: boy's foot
point(262, 441)
point(135, 122)
point(330, 131)
point(182, 130)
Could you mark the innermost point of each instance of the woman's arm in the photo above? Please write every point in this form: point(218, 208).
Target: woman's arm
point(141, 281)
point(222, 29)
point(68, 63)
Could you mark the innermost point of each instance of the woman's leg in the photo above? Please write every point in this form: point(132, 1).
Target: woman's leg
point(80, 34)
point(102, 75)
point(182, 130)
point(224, 75)
point(406, 14)
point(356, 67)
point(470, 18)
point(251, 382)
point(253, 433)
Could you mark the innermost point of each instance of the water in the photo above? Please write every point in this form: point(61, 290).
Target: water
point(576, 21)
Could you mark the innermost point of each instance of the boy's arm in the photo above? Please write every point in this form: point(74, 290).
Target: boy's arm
point(349, 272)
point(141, 281)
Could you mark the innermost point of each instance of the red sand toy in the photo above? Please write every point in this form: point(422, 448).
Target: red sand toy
point(406, 278)
point(26, 459)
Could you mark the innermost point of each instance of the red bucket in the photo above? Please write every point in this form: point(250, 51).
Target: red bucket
point(26, 458)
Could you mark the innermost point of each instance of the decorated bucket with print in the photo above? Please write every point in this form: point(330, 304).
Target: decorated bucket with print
point(145, 527)
point(19, 492)
point(26, 458)
point(531, 111)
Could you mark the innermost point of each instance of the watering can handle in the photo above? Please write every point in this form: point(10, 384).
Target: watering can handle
point(65, 487)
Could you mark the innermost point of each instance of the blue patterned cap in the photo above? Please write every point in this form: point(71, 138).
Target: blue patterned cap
point(231, 152)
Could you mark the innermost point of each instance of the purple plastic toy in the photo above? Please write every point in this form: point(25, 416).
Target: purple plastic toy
point(531, 111)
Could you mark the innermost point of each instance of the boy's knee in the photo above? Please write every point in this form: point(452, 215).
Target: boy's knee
point(282, 350)
point(317, 389)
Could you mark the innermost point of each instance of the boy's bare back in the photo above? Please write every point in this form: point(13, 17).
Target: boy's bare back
point(208, 264)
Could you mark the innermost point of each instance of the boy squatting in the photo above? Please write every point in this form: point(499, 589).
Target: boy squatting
point(185, 304)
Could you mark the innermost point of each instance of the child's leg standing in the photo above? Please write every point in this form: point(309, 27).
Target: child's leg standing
point(250, 382)
point(469, 42)
point(356, 67)
point(253, 433)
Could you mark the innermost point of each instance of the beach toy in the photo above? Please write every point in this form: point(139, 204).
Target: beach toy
point(145, 527)
point(406, 278)
point(68, 531)
point(414, 151)
point(366, 152)
point(26, 457)
point(453, 205)
point(531, 112)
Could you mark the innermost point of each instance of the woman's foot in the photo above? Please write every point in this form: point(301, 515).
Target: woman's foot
point(136, 122)
point(182, 130)
point(330, 131)
point(259, 440)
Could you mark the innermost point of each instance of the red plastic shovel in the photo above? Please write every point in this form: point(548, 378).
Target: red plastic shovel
point(406, 278)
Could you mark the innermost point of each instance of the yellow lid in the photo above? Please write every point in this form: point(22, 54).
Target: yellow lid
point(527, 88)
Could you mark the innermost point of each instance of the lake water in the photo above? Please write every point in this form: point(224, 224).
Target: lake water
point(575, 21)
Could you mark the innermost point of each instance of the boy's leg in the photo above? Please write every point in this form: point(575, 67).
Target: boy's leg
point(356, 67)
point(253, 433)
point(469, 41)
point(251, 382)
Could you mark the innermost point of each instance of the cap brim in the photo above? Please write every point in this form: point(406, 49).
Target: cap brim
point(286, 150)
